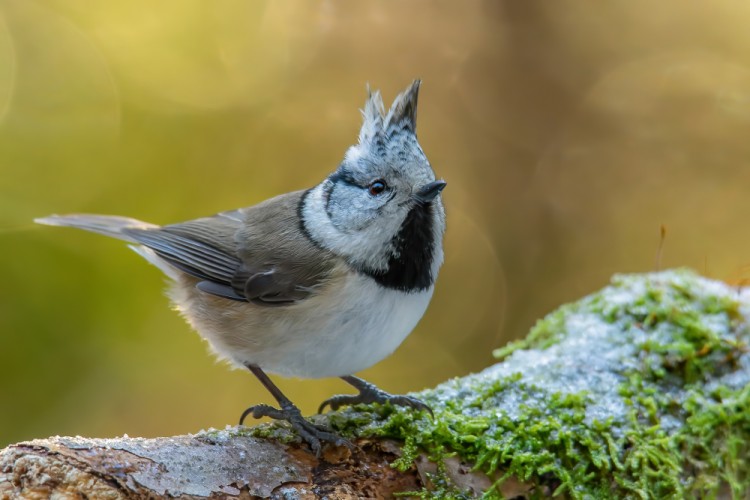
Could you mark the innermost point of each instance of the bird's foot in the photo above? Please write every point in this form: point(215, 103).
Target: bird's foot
point(368, 393)
point(310, 433)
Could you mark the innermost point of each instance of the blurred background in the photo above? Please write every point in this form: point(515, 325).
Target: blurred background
point(568, 132)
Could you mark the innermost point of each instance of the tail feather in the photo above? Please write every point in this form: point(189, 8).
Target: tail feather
point(108, 225)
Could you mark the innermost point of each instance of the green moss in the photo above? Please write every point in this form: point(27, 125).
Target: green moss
point(638, 391)
point(641, 390)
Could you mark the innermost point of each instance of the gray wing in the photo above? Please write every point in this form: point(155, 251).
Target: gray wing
point(252, 254)
point(257, 254)
point(280, 264)
point(195, 257)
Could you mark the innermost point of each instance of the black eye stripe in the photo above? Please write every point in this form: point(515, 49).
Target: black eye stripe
point(345, 177)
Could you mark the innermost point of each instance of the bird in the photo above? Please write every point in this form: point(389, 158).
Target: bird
point(321, 282)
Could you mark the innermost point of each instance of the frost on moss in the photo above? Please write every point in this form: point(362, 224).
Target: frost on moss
point(641, 390)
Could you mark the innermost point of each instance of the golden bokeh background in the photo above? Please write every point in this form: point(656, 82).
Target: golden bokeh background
point(568, 132)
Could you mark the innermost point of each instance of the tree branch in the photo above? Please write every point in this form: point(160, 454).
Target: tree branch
point(207, 465)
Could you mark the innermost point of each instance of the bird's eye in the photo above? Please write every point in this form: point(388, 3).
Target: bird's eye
point(376, 187)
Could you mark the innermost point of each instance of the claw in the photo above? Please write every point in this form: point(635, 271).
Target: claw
point(310, 433)
point(336, 402)
point(368, 393)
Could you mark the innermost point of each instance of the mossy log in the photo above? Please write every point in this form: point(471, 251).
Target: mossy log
point(641, 390)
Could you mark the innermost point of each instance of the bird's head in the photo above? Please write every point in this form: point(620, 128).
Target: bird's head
point(381, 208)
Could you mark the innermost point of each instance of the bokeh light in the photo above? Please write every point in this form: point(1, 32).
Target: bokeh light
point(568, 132)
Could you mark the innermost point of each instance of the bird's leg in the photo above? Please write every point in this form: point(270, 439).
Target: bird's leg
point(368, 393)
point(309, 432)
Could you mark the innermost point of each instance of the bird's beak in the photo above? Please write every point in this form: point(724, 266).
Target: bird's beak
point(429, 191)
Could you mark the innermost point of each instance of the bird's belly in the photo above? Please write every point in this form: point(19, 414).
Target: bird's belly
point(344, 329)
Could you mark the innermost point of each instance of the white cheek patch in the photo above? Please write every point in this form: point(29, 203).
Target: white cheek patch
point(369, 246)
point(355, 211)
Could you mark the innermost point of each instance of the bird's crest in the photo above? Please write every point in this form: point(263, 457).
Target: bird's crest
point(402, 116)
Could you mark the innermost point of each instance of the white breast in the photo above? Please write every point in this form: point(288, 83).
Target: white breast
point(348, 327)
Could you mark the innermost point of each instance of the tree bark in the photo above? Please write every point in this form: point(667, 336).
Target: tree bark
point(223, 464)
point(197, 466)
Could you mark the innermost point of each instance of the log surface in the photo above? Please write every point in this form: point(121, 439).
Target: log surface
point(221, 464)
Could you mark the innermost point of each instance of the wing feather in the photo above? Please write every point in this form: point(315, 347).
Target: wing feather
point(191, 255)
point(258, 254)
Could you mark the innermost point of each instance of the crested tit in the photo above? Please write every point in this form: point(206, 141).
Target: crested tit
point(323, 282)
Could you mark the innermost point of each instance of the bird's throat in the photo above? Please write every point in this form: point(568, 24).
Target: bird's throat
point(409, 267)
